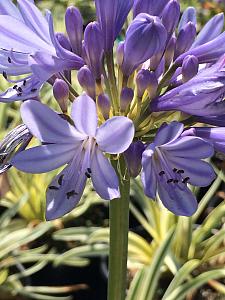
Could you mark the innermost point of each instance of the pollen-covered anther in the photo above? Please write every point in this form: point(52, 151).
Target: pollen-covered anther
point(186, 179)
point(71, 194)
point(161, 173)
point(170, 180)
point(180, 171)
point(87, 175)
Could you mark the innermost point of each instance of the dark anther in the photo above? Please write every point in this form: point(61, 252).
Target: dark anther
point(174, 170)
point(169, 180)
point(176, 181)
point(15, 87)
point(33, 90)
point(60, 179)
point(19, 94)
point(20, 89)
point(71, 194)
point(161, 173)
point(185, 180)
point(4, 74)
point(9, 60)
point(89, 170)
point(88, 175)
point(52, 187)
point(24, 82)
point(180, 171)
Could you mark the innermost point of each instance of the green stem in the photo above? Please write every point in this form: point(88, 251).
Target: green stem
point(112, 80)
point(119, 227)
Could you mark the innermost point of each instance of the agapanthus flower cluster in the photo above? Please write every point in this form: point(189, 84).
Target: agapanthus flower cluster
point(148, 99)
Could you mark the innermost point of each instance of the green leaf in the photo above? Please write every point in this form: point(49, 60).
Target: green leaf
point(144, 286)
point(181, 292)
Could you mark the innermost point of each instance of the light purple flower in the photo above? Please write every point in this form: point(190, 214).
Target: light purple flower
point(111, 16)
point(172, 161)
point(151, 7)
point(200, 96)
point(81, 147)
point(28, 46)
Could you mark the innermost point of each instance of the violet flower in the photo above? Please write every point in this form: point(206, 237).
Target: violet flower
point(28, 46)
point(172, 161)
point(201, 96)
point(81, 147)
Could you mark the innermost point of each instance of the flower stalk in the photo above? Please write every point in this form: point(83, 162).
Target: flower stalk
point(119, 226)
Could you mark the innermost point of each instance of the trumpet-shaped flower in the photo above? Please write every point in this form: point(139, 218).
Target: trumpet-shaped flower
point(81, 147)
point(28, 46)
point(201, 96)
point(172, 161)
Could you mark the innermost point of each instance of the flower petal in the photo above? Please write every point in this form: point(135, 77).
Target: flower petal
point(168, 133)
point(47, 125)
point(190, 147)
point(104, 178)
point(178, 199)
point(84, 115)
point(148, 176)
point(8, 8)
point(34, 19)
point(115, 135)
point(64, 194)
point(14, 33)
point(43, 159)
point(200, 173)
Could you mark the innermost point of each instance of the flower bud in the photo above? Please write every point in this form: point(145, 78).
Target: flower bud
point(63, 40)
point(185, 38)
point(61, 93)
point(170, 16)
point(146, 80)
point(126, 97)
point(151, 7)
point(87, 81)
point(120, 53)
point(169, 53)
point(104, 105)
point(93, 44)
point(145, 37)
point(133, 156)
point(111, 17)
point(74, 28)
point(189, 15)
point(189, 67)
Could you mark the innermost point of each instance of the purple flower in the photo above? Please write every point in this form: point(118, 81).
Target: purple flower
point(145, 37)
point(81, 147)
point(201, 96)
point(172, 161)
point(28, 45)
point(111, 16)
point(133, 156)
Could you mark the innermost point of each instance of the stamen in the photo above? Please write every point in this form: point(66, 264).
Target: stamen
point(185, 180)
point(180, 171)
point(176, 181)
point(60, 179)
point(89, 170)
point(52, 187)
point(33, 90)
point(71, 194)
point(19, 94)
point(88, 175)
point(9, 60)
point(169, 180)
point(15, 87)
point(20, 89)
point(175, 170)
point(161, 173)
point(4, 75)
point(24, 82)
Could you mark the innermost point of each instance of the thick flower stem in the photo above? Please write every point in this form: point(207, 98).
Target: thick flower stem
point(119, 226)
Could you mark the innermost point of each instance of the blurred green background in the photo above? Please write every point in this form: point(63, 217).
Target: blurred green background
point(170, 258)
